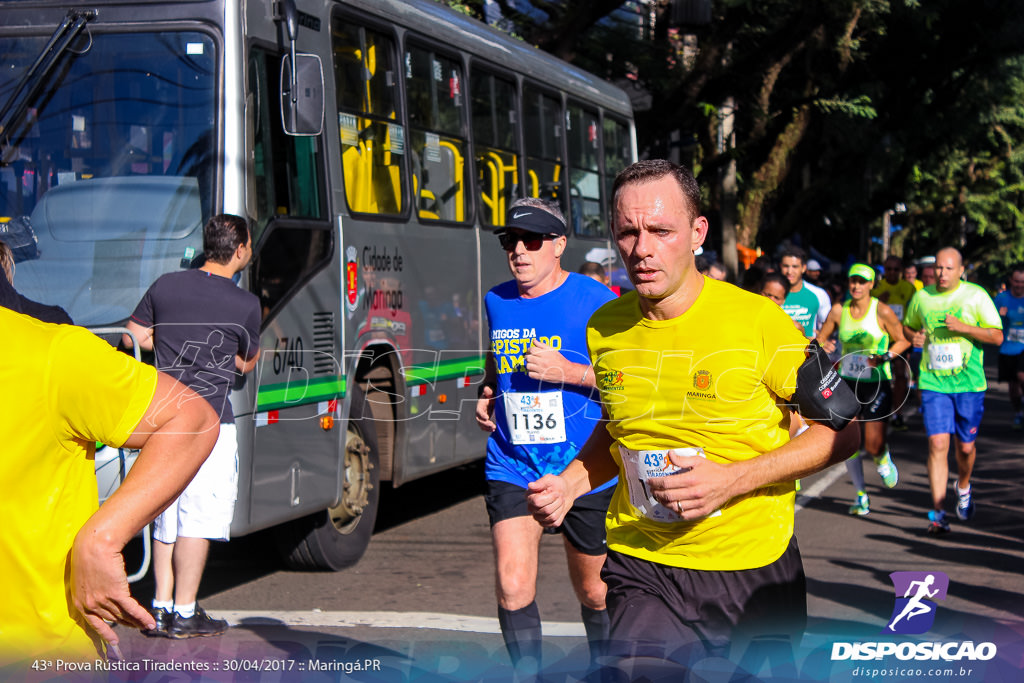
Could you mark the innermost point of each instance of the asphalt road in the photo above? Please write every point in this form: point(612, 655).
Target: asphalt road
point(420, 605)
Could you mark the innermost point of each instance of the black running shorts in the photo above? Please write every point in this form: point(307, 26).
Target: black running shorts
point(583, 525)
point(875, 399)
point(1010, 366)
point(685, 615)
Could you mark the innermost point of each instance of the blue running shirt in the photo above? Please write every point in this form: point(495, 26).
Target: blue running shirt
point(558, 319)
point(1013, 323)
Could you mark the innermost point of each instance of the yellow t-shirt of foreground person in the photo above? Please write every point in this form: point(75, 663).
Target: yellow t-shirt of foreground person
point(64, 389)
point(710, 378)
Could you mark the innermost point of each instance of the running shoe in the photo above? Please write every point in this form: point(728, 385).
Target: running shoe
point(196, 626)
point(939, 525)
point(861, 505)
point(1018, 421)
point(964, 505)
point(163, 620)
point(898, 424)
point(887, 470)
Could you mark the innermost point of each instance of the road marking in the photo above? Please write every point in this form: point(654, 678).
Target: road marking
point(429, 620)
point(829, 478)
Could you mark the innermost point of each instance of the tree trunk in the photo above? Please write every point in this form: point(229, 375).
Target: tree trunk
point(770, 175)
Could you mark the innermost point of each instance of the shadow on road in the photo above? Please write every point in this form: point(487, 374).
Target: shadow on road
point(251, 557)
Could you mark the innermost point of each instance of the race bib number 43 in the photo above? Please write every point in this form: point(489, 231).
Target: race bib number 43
point(642, 466)
point(535, 418)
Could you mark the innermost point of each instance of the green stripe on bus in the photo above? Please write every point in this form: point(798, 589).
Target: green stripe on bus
point(449, 369)
point(292, 394)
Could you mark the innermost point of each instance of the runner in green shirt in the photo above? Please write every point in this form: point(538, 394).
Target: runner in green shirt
point(871, 335)
point(801, 303)
point(957, 318)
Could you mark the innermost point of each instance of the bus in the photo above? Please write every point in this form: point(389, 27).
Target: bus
point(373, 144)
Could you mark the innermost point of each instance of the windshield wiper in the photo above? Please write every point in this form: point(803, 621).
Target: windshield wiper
point(30, 83)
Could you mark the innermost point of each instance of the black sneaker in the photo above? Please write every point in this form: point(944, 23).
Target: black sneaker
point(196, 626)
point(163, 620)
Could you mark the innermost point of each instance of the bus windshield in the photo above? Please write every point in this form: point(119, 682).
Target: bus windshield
point(108, 169)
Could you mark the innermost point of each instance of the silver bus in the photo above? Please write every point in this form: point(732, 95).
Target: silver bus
point(374, 144)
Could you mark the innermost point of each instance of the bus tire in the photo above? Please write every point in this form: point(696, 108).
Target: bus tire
point(337, 537)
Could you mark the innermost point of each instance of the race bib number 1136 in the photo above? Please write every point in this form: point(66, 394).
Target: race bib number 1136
point(535, 418)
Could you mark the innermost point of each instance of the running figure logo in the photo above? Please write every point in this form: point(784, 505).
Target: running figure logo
point(916, 593)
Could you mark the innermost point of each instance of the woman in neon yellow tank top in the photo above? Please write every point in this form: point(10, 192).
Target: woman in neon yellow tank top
point(871, 336)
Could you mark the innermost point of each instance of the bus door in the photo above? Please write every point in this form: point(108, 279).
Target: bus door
point(295, 458)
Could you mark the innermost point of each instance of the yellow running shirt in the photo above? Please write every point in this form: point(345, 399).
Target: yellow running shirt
point(64, 389)
point(897, 295)
point(709, 378)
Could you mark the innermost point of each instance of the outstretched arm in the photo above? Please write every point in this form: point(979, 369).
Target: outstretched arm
point(176, 434)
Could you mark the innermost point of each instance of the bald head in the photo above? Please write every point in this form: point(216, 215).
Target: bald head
point(949, 268)
point(950, 252)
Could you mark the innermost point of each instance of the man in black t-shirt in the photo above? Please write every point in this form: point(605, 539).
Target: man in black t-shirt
point(205, 333)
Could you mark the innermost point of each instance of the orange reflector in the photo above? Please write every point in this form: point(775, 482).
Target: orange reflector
point(442, 398)
point(327, 422)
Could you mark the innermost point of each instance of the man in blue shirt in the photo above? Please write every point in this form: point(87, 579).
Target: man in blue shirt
point(539, 403)
point(1011, 353)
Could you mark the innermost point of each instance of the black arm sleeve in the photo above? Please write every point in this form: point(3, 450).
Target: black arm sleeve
point(821, 395)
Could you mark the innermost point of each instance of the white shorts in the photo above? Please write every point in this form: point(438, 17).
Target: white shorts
point(207, 505)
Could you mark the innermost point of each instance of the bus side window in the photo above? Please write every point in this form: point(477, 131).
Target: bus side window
point(434, 85)
point(617, 156)
point(585, 180)
point(543, 132)
point(496, 144)
point(372, 138)
point(287, 170)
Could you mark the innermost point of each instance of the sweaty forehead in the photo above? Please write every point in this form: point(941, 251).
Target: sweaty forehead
point(654, 201)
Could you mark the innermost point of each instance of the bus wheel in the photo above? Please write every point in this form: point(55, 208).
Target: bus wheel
point(338, 537)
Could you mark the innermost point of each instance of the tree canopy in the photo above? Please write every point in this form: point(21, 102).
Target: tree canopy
point(843, 109)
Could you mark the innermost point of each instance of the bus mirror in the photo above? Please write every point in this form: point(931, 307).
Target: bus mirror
point(302, 109)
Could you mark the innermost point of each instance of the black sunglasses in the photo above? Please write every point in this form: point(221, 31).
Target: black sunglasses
point(532, 241)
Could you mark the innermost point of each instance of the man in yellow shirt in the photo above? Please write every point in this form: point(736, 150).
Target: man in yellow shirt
point(700, 529)
point(60, 558)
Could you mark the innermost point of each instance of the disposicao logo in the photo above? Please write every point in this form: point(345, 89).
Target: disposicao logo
point(917, 594)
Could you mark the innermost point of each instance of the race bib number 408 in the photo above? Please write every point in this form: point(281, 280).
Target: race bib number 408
point(535, 418)
point(946, 356)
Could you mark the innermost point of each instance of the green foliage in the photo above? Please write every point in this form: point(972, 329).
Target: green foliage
point(844, 109)
point(858, 107)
